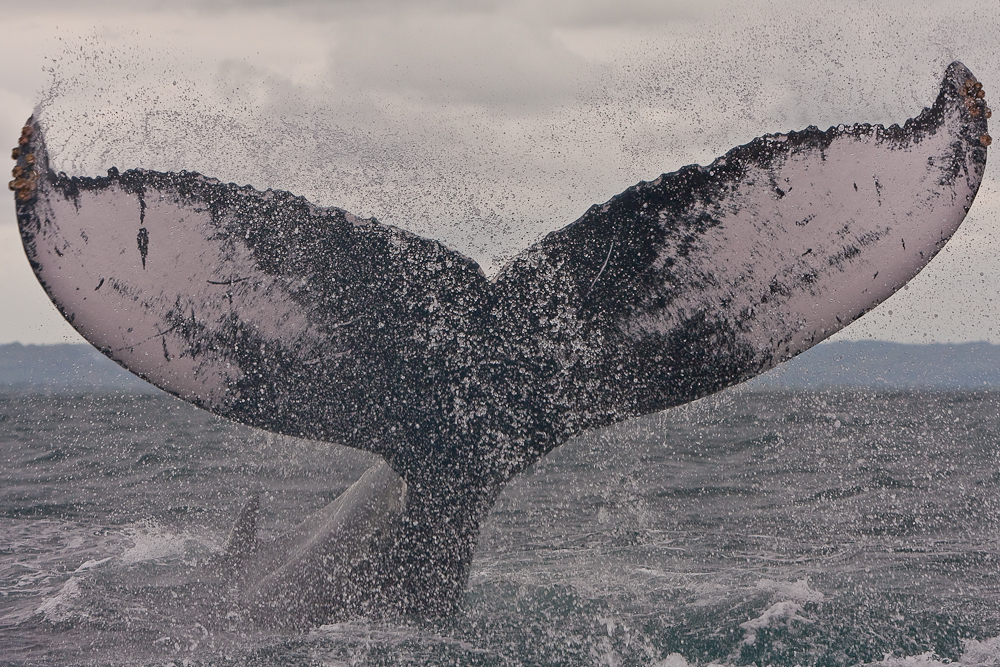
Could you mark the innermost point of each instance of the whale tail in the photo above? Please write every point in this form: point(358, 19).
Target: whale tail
point(308, 321)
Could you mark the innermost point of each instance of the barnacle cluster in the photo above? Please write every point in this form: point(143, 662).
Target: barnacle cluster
point(25, 176)
point(975, 104)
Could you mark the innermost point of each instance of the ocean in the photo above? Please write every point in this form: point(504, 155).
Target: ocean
point(757, 526)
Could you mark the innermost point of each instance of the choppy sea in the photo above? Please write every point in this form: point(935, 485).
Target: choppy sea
point(753, 527)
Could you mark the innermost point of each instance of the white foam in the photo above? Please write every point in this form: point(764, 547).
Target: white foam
point(780, 613)
point(796, 591)
point(369, 634)
point(985, 652)
point(154, 543)
point(91, 564)
point(673, 660)
point(928, 659)
point(61, 606)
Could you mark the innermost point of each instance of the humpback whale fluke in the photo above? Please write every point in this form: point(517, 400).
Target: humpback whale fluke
point(312, 322)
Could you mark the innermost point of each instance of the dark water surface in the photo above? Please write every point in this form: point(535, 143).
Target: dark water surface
point(755, 527)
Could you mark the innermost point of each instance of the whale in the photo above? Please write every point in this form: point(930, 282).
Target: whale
point(313, 322)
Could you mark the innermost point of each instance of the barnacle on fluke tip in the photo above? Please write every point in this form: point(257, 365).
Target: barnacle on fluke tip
point(25, 176)
point(269, 310)
point(975, 104)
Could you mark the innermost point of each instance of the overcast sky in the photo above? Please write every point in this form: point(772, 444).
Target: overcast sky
point(484, 124)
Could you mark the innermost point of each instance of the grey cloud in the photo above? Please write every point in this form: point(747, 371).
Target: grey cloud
point(548, 13)
point(458, 59)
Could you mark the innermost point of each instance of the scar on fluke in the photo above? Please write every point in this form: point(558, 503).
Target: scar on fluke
point(142, 240)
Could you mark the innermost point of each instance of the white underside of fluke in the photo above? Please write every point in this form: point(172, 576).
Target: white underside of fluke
point(857, 221)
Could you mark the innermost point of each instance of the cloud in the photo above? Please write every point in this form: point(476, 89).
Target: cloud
point(457, 59)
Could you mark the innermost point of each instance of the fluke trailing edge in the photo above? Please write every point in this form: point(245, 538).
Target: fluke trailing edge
point(309, 321)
